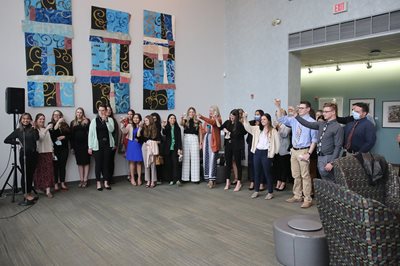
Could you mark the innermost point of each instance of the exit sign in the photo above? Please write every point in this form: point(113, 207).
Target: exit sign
point(340, 7)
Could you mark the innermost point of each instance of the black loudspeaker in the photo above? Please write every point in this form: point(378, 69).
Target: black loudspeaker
point(15, 100)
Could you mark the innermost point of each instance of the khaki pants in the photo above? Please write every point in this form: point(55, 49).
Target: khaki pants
point(301, 174)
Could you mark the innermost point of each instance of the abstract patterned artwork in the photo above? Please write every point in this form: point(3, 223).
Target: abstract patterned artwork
point(110, 75)
point(158, 61)
point(48, 49)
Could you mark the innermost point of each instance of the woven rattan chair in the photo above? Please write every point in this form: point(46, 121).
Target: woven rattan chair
point(360, 227)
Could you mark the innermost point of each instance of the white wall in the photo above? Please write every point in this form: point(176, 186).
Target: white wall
point(199, 59)
point(257, 59)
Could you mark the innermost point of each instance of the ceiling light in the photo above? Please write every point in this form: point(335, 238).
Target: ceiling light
point(309, 70)
point(337, 68)
point(369, 65)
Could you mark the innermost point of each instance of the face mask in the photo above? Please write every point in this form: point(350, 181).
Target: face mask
point(355, 115)
point(257, 118)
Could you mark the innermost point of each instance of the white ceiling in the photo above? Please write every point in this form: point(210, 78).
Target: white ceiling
point(358, 50)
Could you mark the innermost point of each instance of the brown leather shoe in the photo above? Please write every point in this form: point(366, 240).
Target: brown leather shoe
point(306, 204)
point(293, 199)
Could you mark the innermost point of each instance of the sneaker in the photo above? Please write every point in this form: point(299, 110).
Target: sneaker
point(254, 195)
point(269, 196)
point(171, 183)
point(306, 204)
point(178, 183)
point(293, 199)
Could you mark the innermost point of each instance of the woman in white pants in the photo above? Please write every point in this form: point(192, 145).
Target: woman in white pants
point(149, 136)
point(191, 146)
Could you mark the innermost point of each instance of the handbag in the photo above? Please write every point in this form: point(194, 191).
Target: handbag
point(159, 160)
point(121, 147)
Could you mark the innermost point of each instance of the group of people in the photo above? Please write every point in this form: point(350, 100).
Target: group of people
point(278, 148)
point(45, 149)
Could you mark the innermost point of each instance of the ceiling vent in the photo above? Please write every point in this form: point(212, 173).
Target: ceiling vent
point(346, 30)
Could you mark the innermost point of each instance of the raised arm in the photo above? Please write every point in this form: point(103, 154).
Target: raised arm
point(312, 125)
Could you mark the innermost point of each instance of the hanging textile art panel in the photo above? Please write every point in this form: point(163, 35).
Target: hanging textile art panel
point(110, 74)
point(48, 49)
point(158, 61)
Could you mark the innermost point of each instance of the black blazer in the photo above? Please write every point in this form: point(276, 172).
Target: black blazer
point(168, 138)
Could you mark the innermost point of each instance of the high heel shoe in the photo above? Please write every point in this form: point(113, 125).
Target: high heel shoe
point(282, 187)
point(98, 186)
point(251, 187)
point(227, 185)
point(238, 187)
point(106, 185)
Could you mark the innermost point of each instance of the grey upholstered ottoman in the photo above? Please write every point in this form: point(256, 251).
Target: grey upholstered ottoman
point(300, 240)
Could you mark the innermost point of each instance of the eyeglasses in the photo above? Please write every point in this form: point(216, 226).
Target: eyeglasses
point(327, 111)
point(300, 107)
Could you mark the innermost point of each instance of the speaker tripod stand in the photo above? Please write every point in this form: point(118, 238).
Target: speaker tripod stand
point(14, 169)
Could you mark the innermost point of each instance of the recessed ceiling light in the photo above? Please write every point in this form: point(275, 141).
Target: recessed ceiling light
point(330, 60)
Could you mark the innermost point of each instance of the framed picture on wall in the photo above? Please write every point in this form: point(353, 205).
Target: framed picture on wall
point(369, 101)
point(337, 100)
point(391, 114)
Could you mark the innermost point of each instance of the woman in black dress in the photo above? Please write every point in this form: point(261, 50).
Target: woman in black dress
point(79, 145)
point(26, 135)
point(234, 145)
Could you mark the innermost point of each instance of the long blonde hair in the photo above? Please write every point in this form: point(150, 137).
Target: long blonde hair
point(187, 118)
point(84, 118)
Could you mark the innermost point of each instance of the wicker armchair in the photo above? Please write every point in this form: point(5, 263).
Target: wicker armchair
point(361, 221)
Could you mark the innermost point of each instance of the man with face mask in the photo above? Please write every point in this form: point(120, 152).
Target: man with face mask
point(360, 134)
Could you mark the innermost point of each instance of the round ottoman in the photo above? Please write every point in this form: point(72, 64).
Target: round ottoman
point(300, 240)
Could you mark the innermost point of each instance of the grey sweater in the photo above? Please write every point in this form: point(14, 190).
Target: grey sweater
point(332, 139)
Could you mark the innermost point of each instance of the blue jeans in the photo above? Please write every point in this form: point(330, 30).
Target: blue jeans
point(262, 167)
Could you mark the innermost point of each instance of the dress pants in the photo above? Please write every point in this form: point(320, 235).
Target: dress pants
point(102, 162)
point(262, 168)
point(301, 174)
